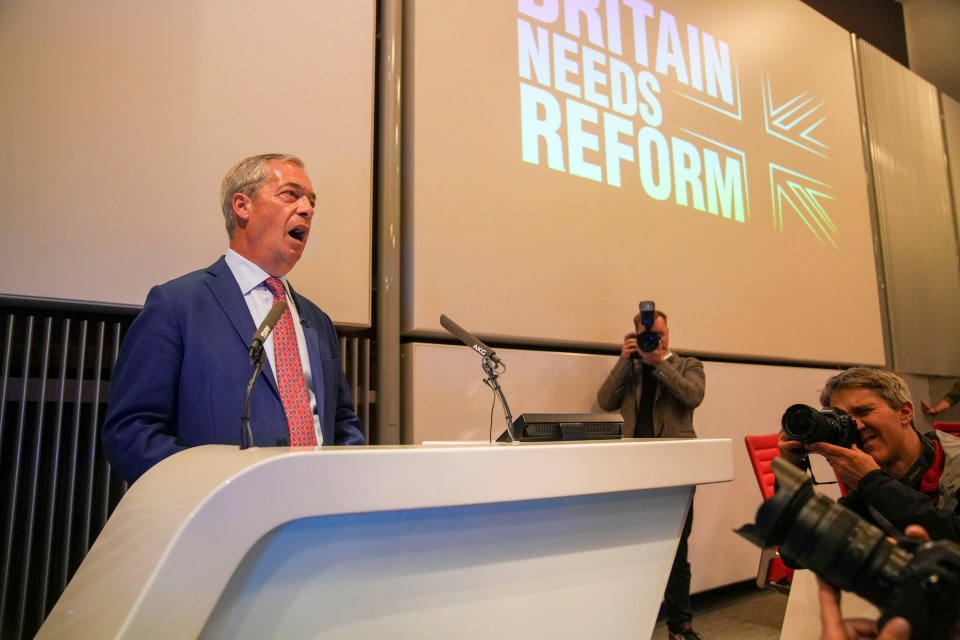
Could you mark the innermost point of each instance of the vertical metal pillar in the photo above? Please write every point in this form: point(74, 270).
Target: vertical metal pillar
point(388, 226)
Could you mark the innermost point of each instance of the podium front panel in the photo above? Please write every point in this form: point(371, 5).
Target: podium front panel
point(579, 567)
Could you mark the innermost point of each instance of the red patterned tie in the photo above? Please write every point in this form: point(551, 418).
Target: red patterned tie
point(290, 380)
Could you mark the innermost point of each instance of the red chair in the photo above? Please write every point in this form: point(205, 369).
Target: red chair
point(761, 450)
point(844, 487)
point(953, 428)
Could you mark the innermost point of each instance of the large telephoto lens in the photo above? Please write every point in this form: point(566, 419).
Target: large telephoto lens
point(823, 536)
point(919, 584)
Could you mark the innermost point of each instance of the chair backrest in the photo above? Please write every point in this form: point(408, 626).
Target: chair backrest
point(948, 427)
point(762, 450)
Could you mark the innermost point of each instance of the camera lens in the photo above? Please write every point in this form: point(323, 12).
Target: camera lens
point(802, 423)
point(829, 539)
point(648, 341)
point(849, 552)
point(806, 424)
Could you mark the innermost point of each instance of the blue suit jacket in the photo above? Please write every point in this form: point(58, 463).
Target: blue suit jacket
point(183, 370)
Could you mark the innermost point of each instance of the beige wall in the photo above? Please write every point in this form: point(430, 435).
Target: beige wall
point(119, 119)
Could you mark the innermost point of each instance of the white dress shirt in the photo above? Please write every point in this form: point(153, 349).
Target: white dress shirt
point(250, 277)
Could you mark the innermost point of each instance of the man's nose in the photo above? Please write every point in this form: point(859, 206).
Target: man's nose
point(306, 208)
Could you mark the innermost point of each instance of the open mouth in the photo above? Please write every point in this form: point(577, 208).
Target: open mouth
point(299, 234)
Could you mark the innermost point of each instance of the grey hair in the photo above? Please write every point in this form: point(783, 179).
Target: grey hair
point(886, 384)
point(246, 177)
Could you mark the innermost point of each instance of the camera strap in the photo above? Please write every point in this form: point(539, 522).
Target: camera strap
point(916, 473)
point(881, 521)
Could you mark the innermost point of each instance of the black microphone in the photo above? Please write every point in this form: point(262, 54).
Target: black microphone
point(257, 360)
point(468, 339)
point(488, 356)
point(273, 316)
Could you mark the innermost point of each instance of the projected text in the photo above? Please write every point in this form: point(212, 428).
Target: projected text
point(594, 110)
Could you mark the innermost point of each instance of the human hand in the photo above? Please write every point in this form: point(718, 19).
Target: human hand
point(943, 405)
point(850, 465)
point(629, 348)
point(835, 627)
point(916, 531)
point(792, 451)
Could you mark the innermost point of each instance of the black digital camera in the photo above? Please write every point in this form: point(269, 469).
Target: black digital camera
point(918, 581)
point(647, 340)
point(833, 426)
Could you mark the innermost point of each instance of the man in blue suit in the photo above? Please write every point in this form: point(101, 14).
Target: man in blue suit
point(183, 367)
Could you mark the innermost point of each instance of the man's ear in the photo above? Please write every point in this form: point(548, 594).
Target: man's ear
point(241, 208)
point(906, 413)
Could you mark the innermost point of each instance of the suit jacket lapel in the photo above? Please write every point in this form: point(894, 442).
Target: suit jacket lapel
point(309, 326)
point(227, 292)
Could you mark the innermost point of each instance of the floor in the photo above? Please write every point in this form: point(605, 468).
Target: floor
point(736, 612)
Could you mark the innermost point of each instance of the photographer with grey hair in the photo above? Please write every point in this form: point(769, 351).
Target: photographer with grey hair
point(898, 477)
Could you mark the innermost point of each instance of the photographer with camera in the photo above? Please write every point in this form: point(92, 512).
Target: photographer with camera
point(913, 581)
point(898, 476)
point(656, 391)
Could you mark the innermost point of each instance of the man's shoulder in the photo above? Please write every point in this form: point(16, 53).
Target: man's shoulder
point(684, 361)
point(949, 442)
point(943, 437)
point(190, 292)
point(189, 282)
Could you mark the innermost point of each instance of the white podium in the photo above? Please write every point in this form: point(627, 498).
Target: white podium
point(563, 540)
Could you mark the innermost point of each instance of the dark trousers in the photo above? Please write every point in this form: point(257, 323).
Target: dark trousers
point(676, 598)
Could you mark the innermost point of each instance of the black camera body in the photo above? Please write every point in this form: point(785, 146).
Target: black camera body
point(918, 581)
point(833, 426)
point(647, 340)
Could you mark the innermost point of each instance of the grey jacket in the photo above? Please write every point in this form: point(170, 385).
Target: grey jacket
point(680, 385)
point(950, 480)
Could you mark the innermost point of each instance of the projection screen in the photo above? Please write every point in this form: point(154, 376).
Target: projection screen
point(118, 120)
point(573, 157)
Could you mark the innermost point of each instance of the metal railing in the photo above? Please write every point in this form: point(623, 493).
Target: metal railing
point(56, 488)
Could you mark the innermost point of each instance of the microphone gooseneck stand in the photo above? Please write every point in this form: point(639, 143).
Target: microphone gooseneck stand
point(257, 358)
point(490, 364)
point(491, 381)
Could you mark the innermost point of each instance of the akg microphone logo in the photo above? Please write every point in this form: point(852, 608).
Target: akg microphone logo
point(482, 352)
